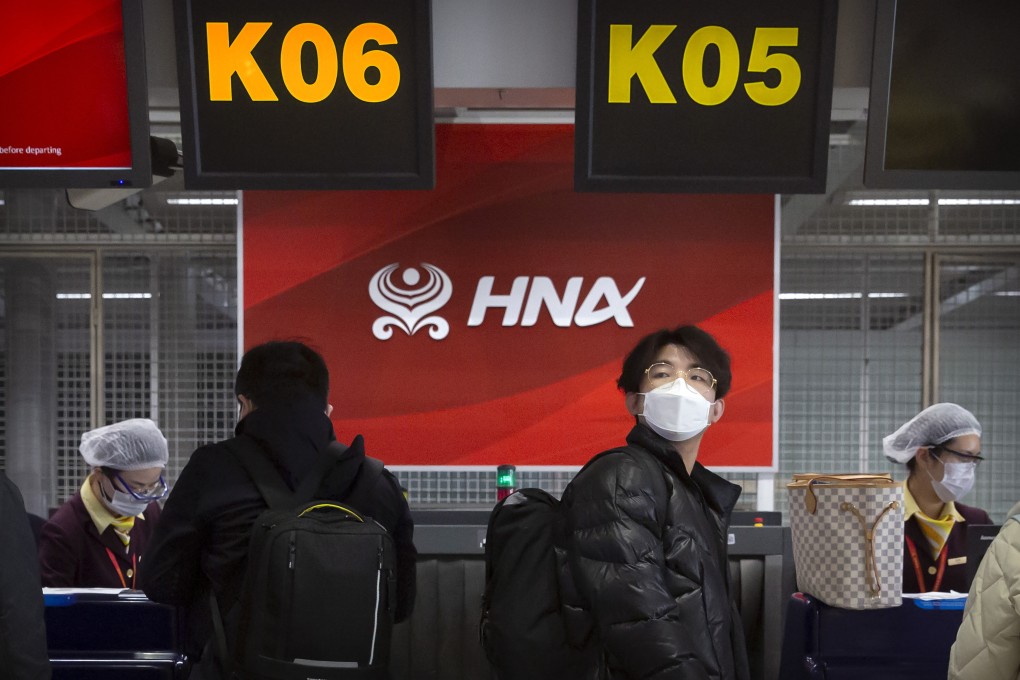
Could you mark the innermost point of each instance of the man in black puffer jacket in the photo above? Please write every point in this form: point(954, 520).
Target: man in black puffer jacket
point(647, 525)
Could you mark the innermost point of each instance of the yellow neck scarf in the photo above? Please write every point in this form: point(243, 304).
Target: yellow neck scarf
point(935, 530)
point(102, 517)
point(122, 527)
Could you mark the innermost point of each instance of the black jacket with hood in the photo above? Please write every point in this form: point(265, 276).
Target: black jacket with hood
point(201, 540)
point(23, 654)
point(652, 572)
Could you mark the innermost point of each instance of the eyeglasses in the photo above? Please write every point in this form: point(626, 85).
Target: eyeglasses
point(974, 458)
point(699, 379)
point(153, 492)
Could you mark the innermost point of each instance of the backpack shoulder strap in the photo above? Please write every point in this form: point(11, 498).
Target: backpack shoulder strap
point(364, 485)
point(309, 486)
point(267, 478)
point(654, 470)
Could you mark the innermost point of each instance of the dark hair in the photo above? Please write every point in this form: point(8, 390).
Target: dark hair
point(703, 346)
point(281, 371)
point(912, 463)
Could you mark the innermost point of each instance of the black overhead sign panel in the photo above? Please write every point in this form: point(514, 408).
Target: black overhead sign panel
point(305, 94)
point(729, 96)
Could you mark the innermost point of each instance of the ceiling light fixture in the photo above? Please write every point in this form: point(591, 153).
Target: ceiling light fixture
point(950, 202)
point(839, 296)
point(979, 201)
point(201, 201)
point(819, 296)
point(106, 296)
point(875, 202)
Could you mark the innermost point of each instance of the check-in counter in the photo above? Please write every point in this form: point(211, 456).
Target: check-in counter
point(762, 579)
point(106, 635)
point(908, 642)
point(99, 634)
point(440, 640)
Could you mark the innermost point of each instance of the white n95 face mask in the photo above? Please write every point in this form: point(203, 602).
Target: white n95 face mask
point(957, 481)
point(676, 411)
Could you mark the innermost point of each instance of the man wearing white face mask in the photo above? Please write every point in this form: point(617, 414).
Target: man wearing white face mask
point(645, 551)
point(941, 447)
point(97, 538)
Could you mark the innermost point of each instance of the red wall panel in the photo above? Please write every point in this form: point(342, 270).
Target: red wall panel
point(531, 392)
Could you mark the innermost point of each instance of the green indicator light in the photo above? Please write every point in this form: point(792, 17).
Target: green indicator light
point(506, 481)
point(506, 476)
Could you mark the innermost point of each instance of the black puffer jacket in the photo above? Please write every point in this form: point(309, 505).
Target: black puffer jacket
point(652, 571)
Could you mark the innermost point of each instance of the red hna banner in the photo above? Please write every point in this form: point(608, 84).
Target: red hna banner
point(485, 322)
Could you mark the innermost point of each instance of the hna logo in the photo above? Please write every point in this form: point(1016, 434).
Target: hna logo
point(527, 297)
point(563, 309)
point(411, 306)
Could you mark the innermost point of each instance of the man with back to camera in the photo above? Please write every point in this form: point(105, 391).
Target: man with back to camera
point(202, 537)
point(647, 556)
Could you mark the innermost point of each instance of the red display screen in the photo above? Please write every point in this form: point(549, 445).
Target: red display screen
point(486, 322)
point(64, 88)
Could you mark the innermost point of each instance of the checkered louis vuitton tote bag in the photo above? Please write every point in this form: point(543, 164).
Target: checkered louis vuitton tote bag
point(848, 539)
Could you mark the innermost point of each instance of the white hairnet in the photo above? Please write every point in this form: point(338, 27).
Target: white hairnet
point(936, 424)
point(128, 445)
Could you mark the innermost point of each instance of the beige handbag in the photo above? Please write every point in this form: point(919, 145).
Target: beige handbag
point(848, 538)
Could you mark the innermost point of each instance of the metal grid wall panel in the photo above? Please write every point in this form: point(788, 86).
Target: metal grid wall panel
point(979, 367)
point(42, 216)
point(478, 487)
point(163, 278)
point(46, 386)
point(171, 344)
point(850, 360)
point(74, 381)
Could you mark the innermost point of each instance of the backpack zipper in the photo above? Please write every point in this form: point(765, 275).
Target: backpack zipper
point(375, 623)
point(292, 554)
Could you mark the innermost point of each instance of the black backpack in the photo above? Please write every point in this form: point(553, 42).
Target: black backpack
point(523, 629)
point(319, 591)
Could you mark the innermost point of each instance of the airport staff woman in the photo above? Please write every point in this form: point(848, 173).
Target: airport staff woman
point(97, 538)
point(941, 447)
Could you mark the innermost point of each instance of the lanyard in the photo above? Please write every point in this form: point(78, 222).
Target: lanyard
point(134, 568)
point(917, 565)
